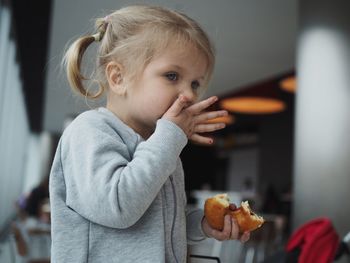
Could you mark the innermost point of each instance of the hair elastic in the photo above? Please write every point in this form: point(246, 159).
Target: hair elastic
point(106, 19)
point(97, 36)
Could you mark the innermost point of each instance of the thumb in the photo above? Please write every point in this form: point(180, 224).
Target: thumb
point(178, 105)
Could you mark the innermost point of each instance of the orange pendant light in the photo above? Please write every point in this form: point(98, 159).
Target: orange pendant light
point(253, 105)
point(289, 84)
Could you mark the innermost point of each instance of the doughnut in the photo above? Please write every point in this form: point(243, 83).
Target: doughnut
point(216, 207)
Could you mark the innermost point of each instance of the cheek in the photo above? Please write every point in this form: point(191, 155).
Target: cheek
point(160, 102)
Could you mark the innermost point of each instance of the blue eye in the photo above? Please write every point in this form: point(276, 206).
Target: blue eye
point(172, 76)
point(195, 85)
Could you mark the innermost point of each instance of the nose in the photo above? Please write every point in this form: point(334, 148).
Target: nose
point(190, 94)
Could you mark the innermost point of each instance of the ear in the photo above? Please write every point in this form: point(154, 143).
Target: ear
point(114, 75)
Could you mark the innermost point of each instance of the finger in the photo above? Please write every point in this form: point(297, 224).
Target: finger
point(216, 234)
point(226, 232)
point(178, 105)
point(234, 229)
point(233, 207)
point(209, 127)
point(201, 139)
point(209, 117)
point(200, 106)
point(245, 237)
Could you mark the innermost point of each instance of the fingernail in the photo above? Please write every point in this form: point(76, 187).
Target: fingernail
point(183, 98)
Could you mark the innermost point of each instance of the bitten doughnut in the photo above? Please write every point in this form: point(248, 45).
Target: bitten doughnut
point(216, 207)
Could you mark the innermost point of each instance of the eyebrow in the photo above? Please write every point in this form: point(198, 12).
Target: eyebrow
point(180, 68)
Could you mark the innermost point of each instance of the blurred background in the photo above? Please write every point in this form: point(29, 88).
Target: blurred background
point(282, 72)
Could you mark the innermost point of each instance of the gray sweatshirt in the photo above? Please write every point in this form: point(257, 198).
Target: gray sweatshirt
point(118, 198)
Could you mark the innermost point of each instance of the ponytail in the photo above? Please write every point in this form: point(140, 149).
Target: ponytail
point(72, 61)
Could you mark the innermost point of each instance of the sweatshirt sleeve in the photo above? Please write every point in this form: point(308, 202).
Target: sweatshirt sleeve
point(195, 232)
point(105, 187)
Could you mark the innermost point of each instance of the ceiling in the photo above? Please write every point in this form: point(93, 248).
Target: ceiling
point(254, 40)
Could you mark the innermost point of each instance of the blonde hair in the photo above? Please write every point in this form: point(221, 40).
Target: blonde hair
point(132, 36)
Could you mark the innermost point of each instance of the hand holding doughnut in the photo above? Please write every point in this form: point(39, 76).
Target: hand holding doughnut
point(217, 207)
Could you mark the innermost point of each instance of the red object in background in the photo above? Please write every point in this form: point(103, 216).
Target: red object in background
point(317, 240)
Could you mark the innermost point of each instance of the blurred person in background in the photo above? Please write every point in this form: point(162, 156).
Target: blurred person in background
point(32, 227)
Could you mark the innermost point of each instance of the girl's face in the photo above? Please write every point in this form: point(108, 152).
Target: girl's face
point(171, 73)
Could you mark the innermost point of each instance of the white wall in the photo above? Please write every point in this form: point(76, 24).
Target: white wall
point(322, 149)
point(38, 158)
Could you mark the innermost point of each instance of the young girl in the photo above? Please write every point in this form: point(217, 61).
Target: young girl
point(117, 183)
